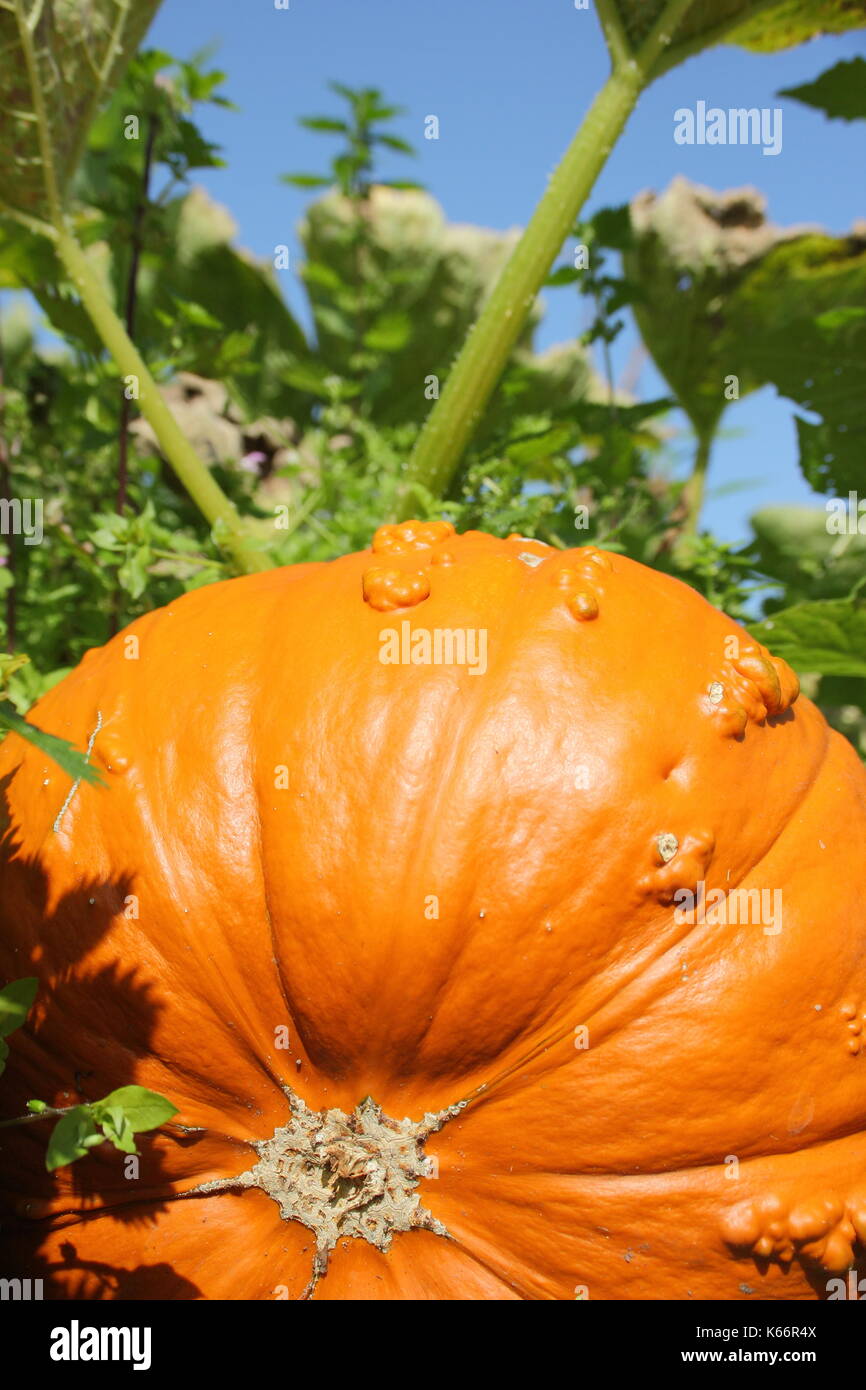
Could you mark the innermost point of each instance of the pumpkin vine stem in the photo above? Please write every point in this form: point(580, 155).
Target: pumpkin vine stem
point(50, 1112)
point(472, 380)
point(693, 492)
point(208, 496)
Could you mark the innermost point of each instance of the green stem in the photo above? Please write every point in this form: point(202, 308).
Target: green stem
point(47, 1114)
point(614, 32)
point(201, 486)
point(694, 490)
point(474, 375)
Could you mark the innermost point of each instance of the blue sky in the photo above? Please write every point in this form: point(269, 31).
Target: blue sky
point(509, 82)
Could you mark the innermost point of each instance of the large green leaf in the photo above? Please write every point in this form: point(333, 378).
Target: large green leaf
point(795, 546)
point(691, 249)
point(788, 22)
point(827, 637)
point(801, 325)
point(763, 25)
point(727, 295)
point(59, 61)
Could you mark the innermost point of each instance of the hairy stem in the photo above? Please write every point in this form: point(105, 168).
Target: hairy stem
point(693, 492)
point(474, 375)
point(195, 477)
point(6, 494)
point(47, 1114)
point(136, 248)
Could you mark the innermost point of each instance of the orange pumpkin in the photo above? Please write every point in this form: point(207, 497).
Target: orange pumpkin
point(493, 915)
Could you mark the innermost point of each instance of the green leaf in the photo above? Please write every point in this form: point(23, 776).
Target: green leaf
point(348, 94)
point(390, 332)
point(726, 296)
point(132, 574)
point(835, 319)
point(305, 180)
point(312, 377)
point(690, 250)
point(9, 664)
point(59, 61)
point(840, 92)
point(612, 227)
point(142, 1109)
point(827, 636)
point(552, 441)
point(394, 142)
point(818, 460)
point(16, 1001)
point(72, 1136)
point(563, 275)
point(64, 754)
point(797, 331)
point(196, 315)
point(116, 1127)
point(795, 546)
point(316, 273)
point(750, 23)
point(324, 123)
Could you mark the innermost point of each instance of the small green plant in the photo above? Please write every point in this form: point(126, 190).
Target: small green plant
point(116, 1119)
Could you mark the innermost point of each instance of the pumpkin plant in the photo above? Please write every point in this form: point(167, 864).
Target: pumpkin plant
point(494, 916)
point(60, 64)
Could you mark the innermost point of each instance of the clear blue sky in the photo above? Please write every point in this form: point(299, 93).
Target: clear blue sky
point(509, 81)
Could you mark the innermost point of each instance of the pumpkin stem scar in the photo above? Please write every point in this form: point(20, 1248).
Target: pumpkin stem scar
point(344, 1176)
point(77, 783)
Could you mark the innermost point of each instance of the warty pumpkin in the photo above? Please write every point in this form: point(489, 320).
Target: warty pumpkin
point(494, 916)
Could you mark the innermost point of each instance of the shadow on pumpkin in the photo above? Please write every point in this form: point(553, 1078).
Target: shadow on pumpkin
point(69, 1052)
point(816, 1276)
point(94, 1280)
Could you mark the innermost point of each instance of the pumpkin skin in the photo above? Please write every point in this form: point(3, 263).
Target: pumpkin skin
point(656, 1109)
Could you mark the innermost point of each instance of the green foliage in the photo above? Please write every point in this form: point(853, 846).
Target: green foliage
point(802, 327)
point(63, 753)
point(840, 92)
point(827, 637)
point(754, 24)
point(117, 1118)
point(795, 547)
point(729, 303)
point(689, 250)
point(310, 439)
point(315, 441)
point(16, 1001)
point(351, 168)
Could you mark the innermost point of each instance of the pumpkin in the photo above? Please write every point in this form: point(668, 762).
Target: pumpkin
point(494, 915)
